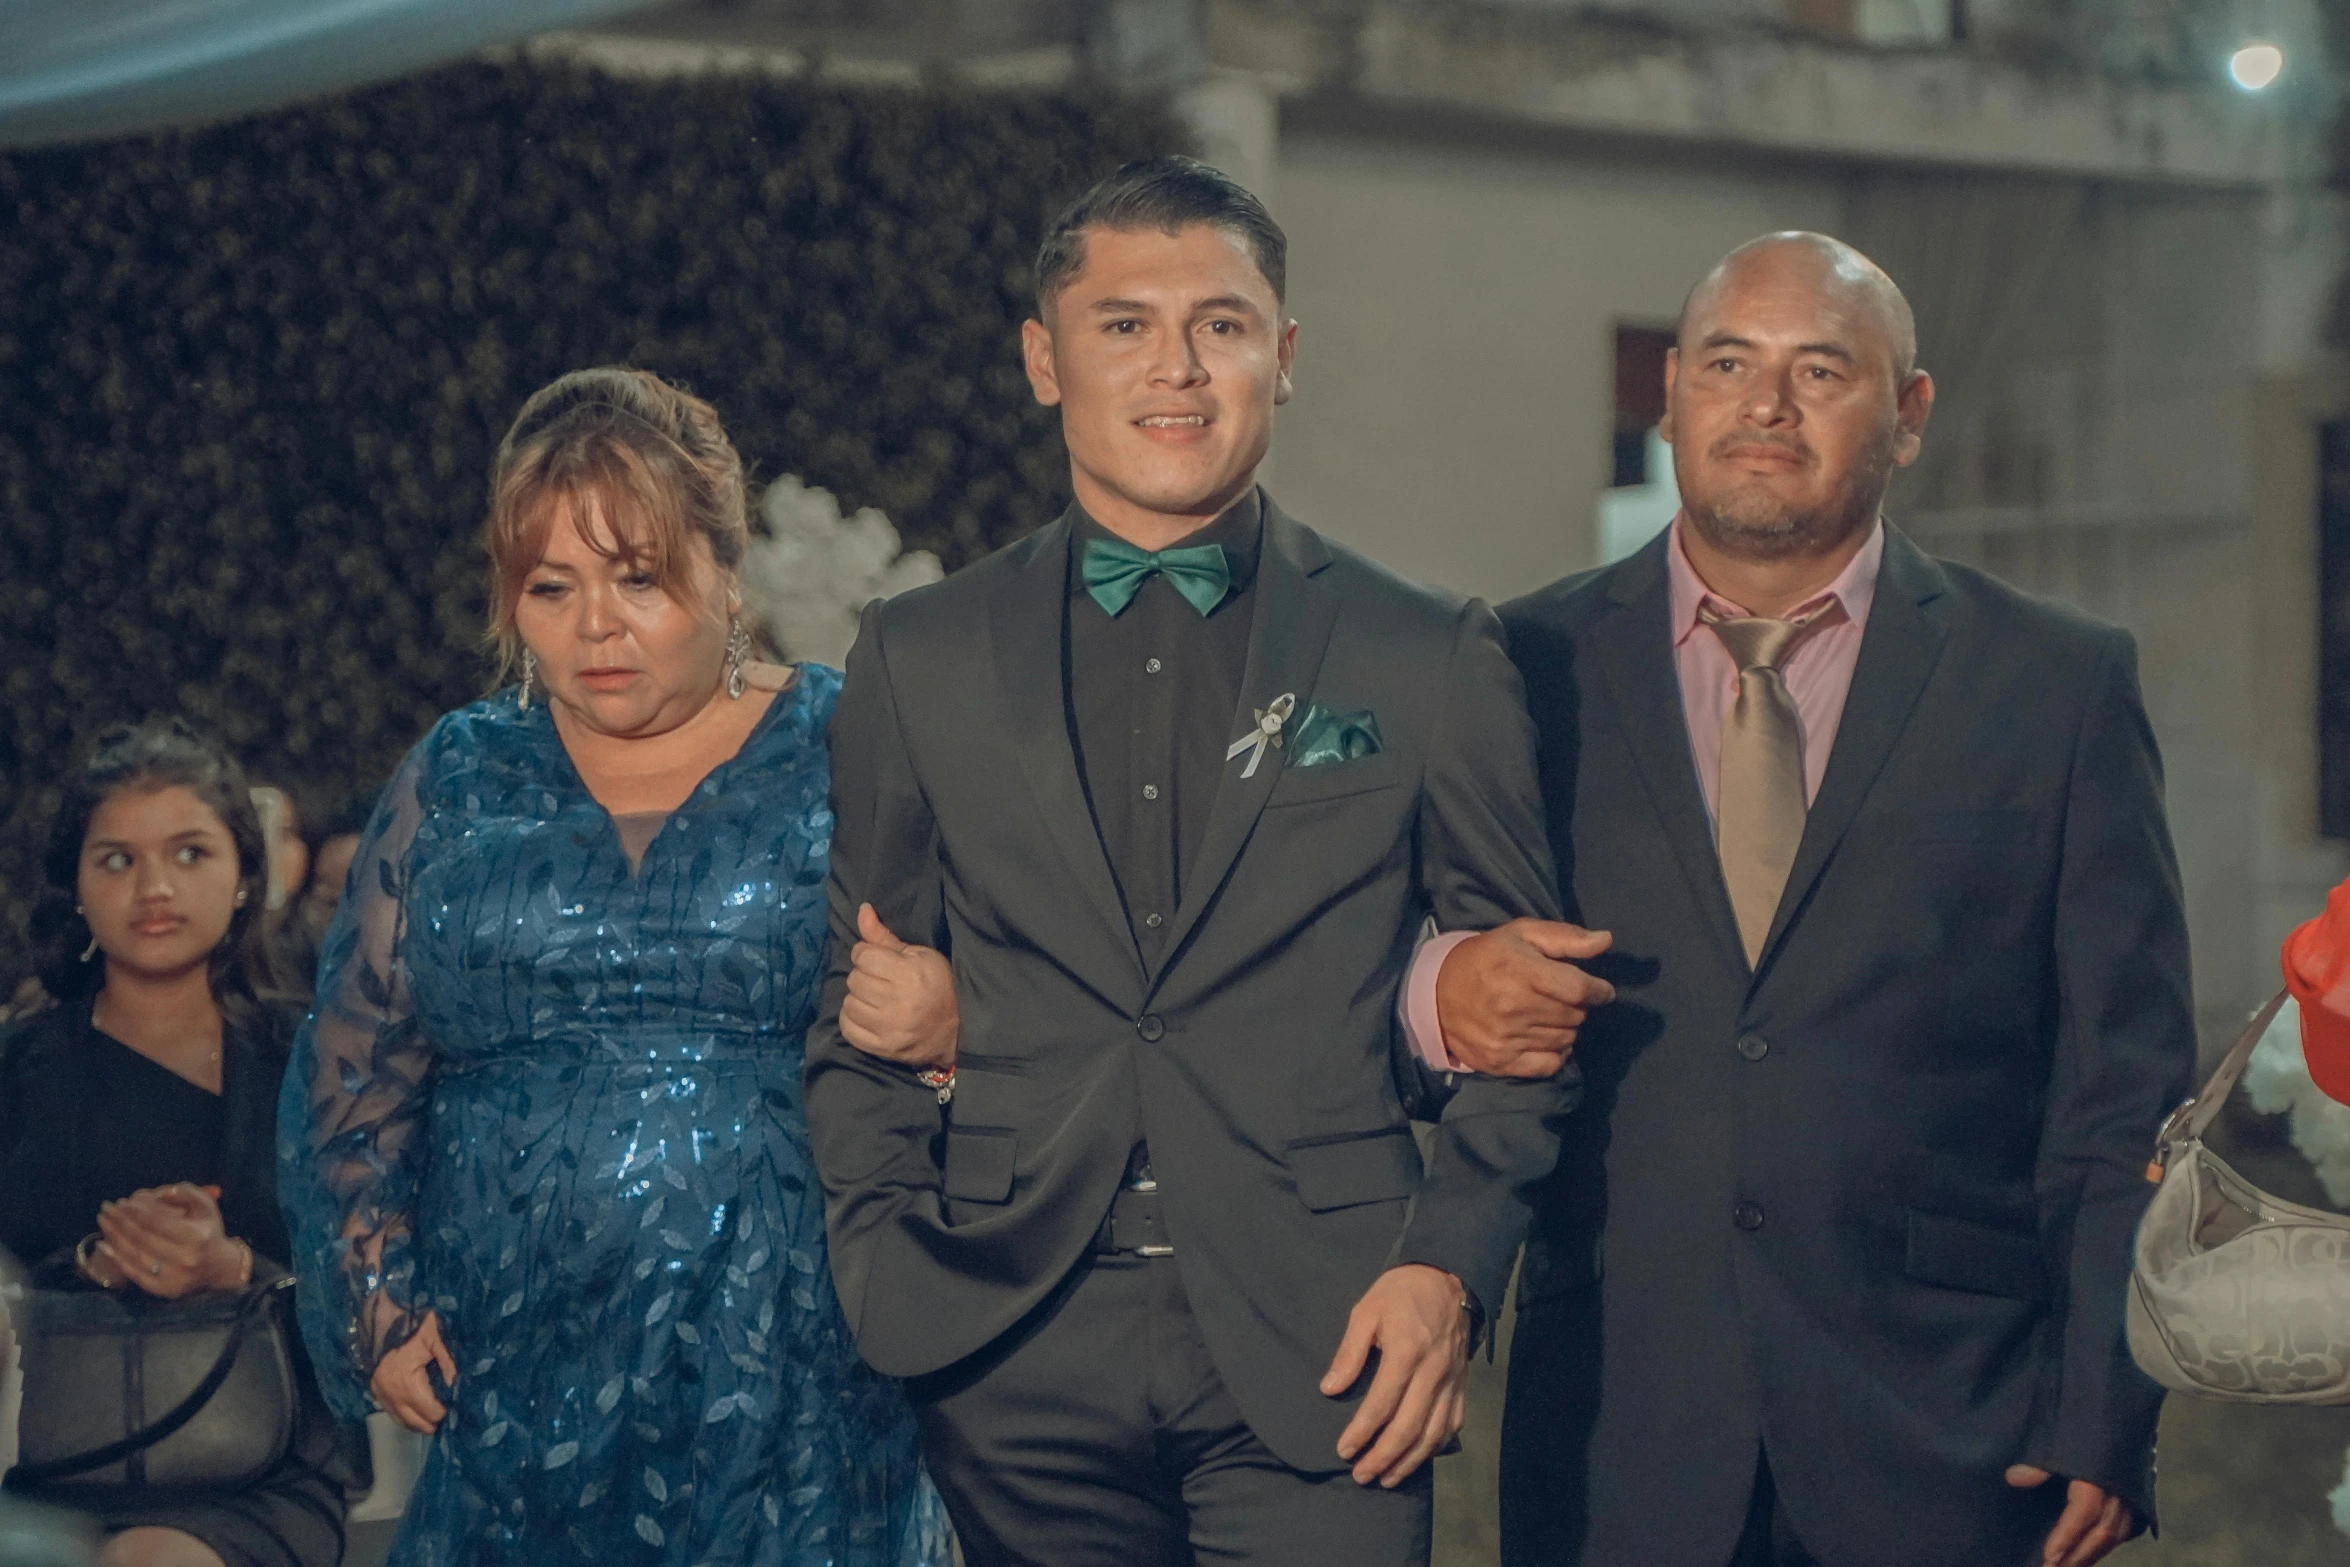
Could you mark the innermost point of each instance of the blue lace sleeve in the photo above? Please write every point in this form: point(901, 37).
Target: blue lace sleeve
point(349, 1118)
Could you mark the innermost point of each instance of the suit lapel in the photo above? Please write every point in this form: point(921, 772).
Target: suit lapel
point(1291, 627)
point(1029, 622)
point(1635, 646)
point(1898, 653)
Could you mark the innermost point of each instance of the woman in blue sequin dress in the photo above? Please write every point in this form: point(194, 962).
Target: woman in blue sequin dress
point(544, 1152)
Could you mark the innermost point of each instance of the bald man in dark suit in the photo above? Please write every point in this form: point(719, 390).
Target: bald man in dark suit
point(1832, 1266)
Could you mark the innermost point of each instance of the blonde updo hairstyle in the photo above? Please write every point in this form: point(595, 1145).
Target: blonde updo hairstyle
point(648, 458)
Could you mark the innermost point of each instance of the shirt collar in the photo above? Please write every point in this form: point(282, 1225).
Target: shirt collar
point(1855, 586)
point(1241, 530)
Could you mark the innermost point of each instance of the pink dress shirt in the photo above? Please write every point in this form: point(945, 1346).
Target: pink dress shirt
point(1818, 675)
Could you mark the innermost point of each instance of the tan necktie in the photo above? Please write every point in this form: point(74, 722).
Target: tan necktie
point(1760, 818)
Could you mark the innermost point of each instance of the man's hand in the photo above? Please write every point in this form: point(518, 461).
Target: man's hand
point(2094, 1520)
point(401, 1384)
point(901, 1001)
point(1511, 999)
point(1414, 1317)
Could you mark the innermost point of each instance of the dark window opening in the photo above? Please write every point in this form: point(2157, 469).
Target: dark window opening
point(1631, 458)
point(2333, 629)
point(1640, 398)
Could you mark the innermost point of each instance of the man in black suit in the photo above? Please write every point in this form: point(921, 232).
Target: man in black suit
point(1832, 1266)
point(1172, 783)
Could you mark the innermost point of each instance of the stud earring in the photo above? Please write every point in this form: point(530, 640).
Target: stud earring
point(240, 897)
point(530, 672)
point(738, 653)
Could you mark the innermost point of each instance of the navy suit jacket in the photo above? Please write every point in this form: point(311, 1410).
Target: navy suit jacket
point(1867, 1206)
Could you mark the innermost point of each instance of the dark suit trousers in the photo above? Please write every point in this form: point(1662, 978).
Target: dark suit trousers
point(1099, 1434)
point(1544, 1472)
point(1769, 1539)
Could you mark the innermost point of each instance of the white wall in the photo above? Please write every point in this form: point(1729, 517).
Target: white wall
point(2306, 256)
point(1456, 354)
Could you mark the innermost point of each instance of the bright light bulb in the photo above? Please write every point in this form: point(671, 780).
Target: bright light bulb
point(2257, 65)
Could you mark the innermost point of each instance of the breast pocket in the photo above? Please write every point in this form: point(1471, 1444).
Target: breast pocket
point(1334, 781)
point(1985, 875)
point(1969, 828)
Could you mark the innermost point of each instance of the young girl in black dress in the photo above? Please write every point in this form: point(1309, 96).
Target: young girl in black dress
point(137, 1116)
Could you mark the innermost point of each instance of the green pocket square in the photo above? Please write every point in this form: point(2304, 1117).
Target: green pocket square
point(1322, 737)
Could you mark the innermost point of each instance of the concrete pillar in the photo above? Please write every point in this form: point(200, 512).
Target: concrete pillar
point(2304, 260)
point(1146, 44)
point(1161, 46)
point(1235, 120)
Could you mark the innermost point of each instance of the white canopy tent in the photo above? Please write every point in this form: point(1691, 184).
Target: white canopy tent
point(79, 70)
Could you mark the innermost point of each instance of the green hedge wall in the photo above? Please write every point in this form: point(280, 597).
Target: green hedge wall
point(251, 377)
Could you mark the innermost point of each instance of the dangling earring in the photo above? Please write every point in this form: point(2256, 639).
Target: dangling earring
point(530, 672)
point(738, 652)
point(91, 950)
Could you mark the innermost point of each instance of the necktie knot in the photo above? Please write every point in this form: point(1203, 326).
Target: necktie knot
point(1115, 571)
point(1761, 642)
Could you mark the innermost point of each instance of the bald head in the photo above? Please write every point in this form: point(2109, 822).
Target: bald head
point(1855, 287)
point(1791, 395)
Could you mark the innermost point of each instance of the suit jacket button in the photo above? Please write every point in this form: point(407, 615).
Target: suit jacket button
point(1753, 1046)
point(1150, 1028)
point(1747, 1216)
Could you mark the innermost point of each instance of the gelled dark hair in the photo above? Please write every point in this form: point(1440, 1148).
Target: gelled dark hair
point(161, 753)
point(1169, 194)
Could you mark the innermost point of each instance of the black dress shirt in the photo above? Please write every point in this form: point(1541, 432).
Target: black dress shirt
point(1152, 693)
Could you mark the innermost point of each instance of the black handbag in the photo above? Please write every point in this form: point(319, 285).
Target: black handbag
point(126, 1391)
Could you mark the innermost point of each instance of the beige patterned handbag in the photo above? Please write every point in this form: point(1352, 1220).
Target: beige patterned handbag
point(2235, 1294)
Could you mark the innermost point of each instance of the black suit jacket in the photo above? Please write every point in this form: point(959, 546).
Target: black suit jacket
point(1869, 1205)
point(1257, 1057)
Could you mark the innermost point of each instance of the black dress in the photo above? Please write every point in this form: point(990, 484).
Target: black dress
point(85, 1119)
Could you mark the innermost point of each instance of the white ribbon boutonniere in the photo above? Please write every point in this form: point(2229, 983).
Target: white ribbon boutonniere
point(1267, 732)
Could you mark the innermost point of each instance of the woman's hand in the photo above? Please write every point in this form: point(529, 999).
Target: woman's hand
point(168, 1240)
point(403, 1383)
point(901, 1001)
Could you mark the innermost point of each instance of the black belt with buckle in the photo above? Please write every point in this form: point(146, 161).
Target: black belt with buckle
point(1133, 1225)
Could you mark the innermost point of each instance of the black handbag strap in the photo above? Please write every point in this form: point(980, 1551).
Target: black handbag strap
point(2193, 1118)
point(179, 1414)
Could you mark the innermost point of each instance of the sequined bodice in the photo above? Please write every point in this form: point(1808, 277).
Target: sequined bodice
point(530, 930)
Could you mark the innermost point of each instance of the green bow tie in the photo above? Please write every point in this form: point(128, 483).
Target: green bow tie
point(1116, 570)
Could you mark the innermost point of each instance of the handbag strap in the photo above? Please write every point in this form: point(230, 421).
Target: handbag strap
point(179, 1414)
point(2193, 1117)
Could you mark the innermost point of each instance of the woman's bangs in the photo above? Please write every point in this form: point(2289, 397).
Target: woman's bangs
point(625, 513)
